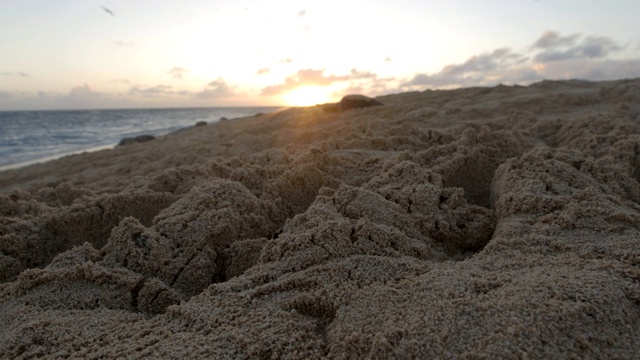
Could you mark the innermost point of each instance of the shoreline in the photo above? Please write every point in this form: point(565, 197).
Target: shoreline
point(42, 160)
point(143, 131)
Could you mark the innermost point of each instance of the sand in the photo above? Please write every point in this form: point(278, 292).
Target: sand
point(497, 222)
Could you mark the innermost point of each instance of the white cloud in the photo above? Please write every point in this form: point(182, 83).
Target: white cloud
point(85, 97)
point(553, 39)
point(592, 47)
point(552, 56)
point(215, 90)
point(177, 72)
point(83, 91)
point(592, 70)
point(153, 91)
point(79, 97)
point(481, 69)
point(311, 77)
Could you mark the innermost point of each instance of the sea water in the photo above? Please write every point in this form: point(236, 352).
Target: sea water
point(32, 136)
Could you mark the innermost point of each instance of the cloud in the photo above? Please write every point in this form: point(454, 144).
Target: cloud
point(302, 13)
point(159, 90)
point(381, 86)
point(485, 62)
point(124, 44)
point(303, 77)
point(552, 56)
point(285, 61)
point(477, 70)
point(45, 94)
point(552, 39)
point(592, 70)
point(358, 75)
point(353, 89)
point(311, 77)
point(215, 89)
point(85, 97)
point(78, 97)
point(177, 72)
point(592, 47)
point(121, 81)
point(263, 71)
point(388, 59)
point(153, 91)
point(17, 73)
point(83, 91)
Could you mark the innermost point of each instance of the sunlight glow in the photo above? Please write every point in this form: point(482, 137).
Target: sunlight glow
point(307, 96)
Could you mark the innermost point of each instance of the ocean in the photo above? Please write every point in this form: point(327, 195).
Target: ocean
point(32, 136)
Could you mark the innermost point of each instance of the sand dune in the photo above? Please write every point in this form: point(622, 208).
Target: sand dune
point(489, 223)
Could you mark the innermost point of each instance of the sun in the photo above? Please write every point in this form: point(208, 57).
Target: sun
point(307, 96)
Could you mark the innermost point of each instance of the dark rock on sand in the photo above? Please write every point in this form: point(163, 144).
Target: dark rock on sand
point(137, 139)
point(356, 101)
point(201, 123)
point(329, 108)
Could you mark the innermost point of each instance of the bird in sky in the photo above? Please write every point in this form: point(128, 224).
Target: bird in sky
point(108, 11)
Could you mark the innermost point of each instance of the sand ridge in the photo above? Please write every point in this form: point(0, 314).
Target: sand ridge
point(494, 222)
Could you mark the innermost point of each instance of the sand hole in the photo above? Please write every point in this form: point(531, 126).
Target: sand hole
point(474, 176)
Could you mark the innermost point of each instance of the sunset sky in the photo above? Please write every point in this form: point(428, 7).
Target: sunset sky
point(79, 54)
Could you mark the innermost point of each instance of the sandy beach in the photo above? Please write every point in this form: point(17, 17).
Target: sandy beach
point(477, 223)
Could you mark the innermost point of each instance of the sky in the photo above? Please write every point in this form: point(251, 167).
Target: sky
point(86, 54)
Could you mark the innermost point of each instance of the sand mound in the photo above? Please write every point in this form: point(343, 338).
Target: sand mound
point(484, 222)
